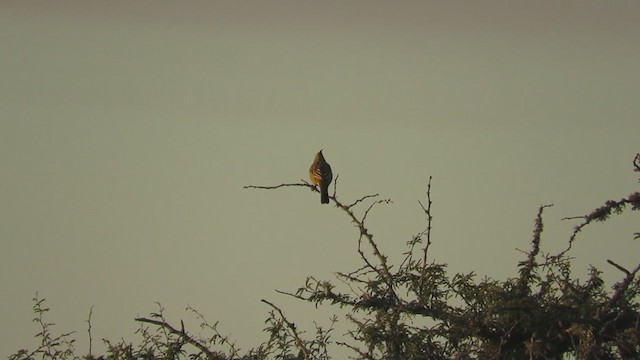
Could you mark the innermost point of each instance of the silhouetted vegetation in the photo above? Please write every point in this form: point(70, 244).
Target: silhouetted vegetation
point(415, 310)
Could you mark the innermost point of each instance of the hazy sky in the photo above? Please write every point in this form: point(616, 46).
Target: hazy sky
point(127, 130)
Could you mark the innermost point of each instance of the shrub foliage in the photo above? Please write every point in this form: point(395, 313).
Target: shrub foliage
point(415, 310)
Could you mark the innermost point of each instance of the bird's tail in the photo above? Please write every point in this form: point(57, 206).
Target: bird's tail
point(324, 194)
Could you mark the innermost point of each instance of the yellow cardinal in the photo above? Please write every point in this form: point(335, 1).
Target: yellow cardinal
point(320, 175)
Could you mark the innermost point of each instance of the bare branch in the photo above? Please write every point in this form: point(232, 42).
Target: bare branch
point(183, 335)
point(362, 354)
point(89, 331)
point(427, 212)
point(574, 217)
point(601, 214)
point(618, 267)
point(361, 200)
point(384, 201)
point(335, 185)
point(364, 258)
point(302, 183)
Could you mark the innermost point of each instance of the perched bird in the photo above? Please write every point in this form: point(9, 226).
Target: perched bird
point(320, 175)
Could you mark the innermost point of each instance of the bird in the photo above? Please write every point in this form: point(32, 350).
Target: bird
point(320, 175)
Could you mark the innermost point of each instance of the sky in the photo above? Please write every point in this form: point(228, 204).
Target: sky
point(128, 130)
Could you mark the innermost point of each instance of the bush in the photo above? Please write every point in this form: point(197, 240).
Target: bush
point(540, 313)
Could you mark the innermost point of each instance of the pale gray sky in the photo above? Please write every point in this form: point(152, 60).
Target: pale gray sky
point(127, 130)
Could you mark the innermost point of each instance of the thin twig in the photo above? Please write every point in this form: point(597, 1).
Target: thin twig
point(303, 183)
point(89, 331)
point(364, 257)
point(574, 217)
point(425, 250)
point(361, 200)
point(366, 213)
point(427, 212)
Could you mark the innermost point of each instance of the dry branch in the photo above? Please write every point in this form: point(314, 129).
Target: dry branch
point(184, 336)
